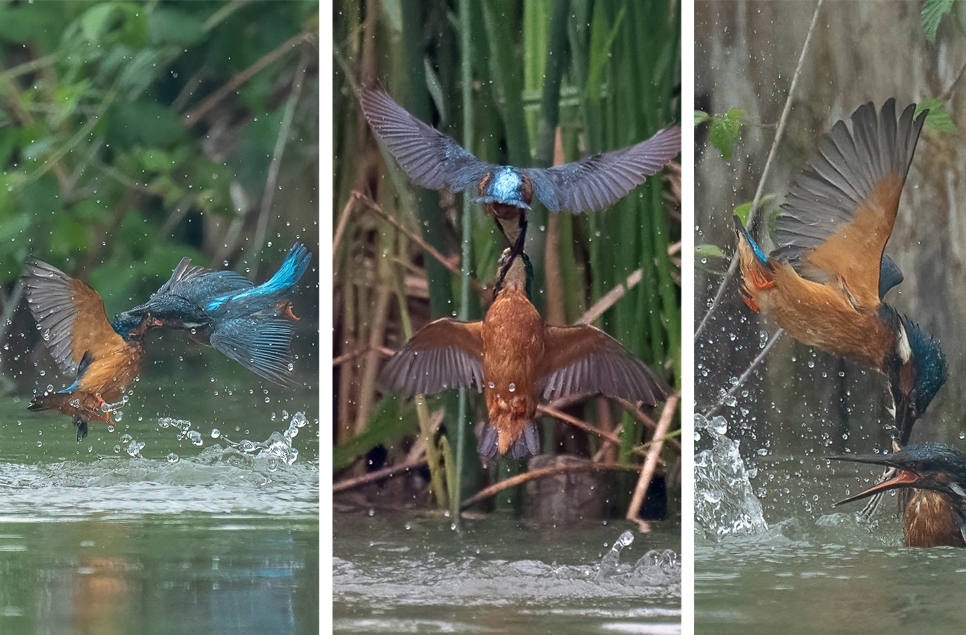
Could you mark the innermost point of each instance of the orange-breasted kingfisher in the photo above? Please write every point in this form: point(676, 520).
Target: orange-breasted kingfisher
point(825, 282)
point(517, 360)
point(436, 161)
point(935, 513)
point(104, 358)
point(249, 324)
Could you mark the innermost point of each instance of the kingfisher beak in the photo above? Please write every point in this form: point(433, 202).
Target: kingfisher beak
point(901, 478)
point(906, 414)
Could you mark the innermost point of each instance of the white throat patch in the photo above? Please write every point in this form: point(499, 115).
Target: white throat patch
point(905, 351)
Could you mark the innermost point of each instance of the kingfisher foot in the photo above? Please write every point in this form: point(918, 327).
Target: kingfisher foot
point(751, 303)
point(758, 279)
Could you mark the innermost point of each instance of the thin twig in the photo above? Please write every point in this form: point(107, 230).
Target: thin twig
point(340, 230)
point(416, 238)
point(345, 357)
point(583, 425)
point(378, 475)
point(271, 181)
point(493, 490)
point(764, 175)
point(198, 113)
point(745, 375)
point(638, 414)
point(610, 298)
point(653, 453)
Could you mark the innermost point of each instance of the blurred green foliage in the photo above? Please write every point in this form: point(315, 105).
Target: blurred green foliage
point(109, 165)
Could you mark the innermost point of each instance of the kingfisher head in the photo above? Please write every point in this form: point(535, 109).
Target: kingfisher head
point(131, 326)
point(505, 186)
point(933, 466)
point(916, 368)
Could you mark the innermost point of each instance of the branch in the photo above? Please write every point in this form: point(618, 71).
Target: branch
point(764, 175)
point(493, 490)
point(653, 453)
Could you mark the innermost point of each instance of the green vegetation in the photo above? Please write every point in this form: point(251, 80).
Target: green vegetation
point(133, 134)
point(550, 80)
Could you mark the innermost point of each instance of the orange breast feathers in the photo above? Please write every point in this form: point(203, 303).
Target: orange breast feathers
point(513, 349)
point(930, 521)
point(820, 315)
point(112, 372)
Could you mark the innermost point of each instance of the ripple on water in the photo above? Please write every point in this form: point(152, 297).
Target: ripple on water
point(126, 487)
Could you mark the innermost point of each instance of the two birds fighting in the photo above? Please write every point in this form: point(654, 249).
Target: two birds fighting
point(825, 285)
point(512, 355)
point(250, 324)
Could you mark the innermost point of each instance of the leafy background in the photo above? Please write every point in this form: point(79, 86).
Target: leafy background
point(133, 134)
point(516, 82)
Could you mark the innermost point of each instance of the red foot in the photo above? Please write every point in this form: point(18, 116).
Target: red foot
point(751, 303)
point(758, 279)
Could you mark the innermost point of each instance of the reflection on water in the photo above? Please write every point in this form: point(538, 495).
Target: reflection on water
point(195, 516)
point(400, 573)
point(825, 570)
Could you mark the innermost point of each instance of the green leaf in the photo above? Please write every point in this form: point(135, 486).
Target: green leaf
point(390, 422)
point(700, 117)
point(709, 251)
point(744, 210)
point(932, 14)
point(154, 160)
point(938, 118)
point(725, 130)
point(171, 26)
point(600, 49)
point(139, 72)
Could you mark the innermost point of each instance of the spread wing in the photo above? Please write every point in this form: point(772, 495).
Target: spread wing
point(444, 354)
point(260, 344)
point(69, 313)
point(603, 179)
point(199, 284)
point(429, 157)
point(583, 360)
point(838, 216)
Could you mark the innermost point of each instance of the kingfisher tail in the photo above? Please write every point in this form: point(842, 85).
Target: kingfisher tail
point(744, 234)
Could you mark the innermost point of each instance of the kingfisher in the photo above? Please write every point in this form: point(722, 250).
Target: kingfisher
point(436, 161)
point(250, 324)
point(935, 513)
point(517, 360)
point(104, 358)
point(825, 282)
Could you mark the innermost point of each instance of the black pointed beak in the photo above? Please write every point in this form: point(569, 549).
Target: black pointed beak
point(906, 416)
point(900, 478)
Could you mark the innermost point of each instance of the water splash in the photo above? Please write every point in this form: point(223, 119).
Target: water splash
point(183, 426)
point(724, 502)
point(608, 566)
point(277, 450)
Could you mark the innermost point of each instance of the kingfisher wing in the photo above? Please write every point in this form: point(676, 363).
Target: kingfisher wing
point(70, 315)
point(839, 214)
point(260, 344)
point(583, 360)
point(199, 284)
point(444, 354)
point(430, 158)
point(603, 179)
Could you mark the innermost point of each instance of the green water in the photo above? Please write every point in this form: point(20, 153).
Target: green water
point(398, 573)
point(819, 569)
point(183, 534)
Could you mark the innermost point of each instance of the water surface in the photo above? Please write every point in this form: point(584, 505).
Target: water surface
point(407, 573)
point(776, 557)
point(197, 514)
